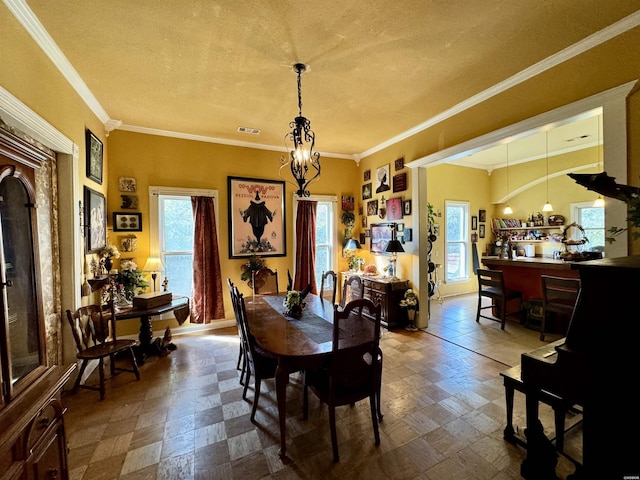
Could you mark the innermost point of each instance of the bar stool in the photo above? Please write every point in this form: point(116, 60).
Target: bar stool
point(491, 285)
point(559, 297)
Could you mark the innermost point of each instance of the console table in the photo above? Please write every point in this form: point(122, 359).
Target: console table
point(386, 292)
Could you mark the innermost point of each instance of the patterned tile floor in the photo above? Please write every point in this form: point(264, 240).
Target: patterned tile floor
point(442, 399)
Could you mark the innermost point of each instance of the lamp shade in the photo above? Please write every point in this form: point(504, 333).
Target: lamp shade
point(394, 246)
point(352, 244)
point(154, 264)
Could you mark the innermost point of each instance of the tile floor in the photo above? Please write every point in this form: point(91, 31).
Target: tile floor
point(443, 404)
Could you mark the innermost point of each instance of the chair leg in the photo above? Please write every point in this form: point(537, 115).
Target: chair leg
point(256, 396)
point(503, 313)
point(479, 308)
point(83, 367)
point(101, 371)
point(247, 378)
point(134, 363)
point(543, 325)
point(305, 397)
point(374, 419)
point(334, 434)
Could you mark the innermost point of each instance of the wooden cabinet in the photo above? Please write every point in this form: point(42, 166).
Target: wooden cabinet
point(386, 292)
point(32, 439)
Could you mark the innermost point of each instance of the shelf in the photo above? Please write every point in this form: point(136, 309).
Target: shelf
point(543, 227)
point(534, 241)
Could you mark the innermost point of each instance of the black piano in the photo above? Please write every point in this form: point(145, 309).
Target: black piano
point(598, 367)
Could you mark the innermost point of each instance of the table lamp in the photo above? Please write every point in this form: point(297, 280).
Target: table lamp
point(153, 265)
point(350, 248)
point(394, 247)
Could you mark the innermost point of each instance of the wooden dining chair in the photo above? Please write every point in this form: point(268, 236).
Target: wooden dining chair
point(265, 281)
point(260, 363)
point(353, 372)
point(242, 361)
point(352, 289)
point(559, 298)
point(94, 331)
point(491, 285)
point(328, 286)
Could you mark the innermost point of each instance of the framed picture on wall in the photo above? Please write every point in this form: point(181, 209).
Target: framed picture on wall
point(394, 209)
point(256, 217)
point(95, 220)
point(127, 221)
point(94, 157)
point(383, 179)
point(407, 207)
point(481, 232)
point(366, 191)
point(474, 222)
point(482, 216)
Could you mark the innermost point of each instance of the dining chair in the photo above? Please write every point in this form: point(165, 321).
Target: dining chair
point(328, 286)
point(242, 361)
point(260, 363)
point(353, 371)
point(352, 289)
point(94, 331)
point(265, 281)
point(559, 298)
point(491, 285)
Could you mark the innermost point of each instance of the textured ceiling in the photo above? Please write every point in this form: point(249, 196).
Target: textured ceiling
point(375, 69)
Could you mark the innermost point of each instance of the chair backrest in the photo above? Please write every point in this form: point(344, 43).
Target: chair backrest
point(490, 282)
point(265, 281)
point(352, 289)
point(559, 292)
point(92, 325)
point(246, 337)
point(328, 286)
point(355, 347)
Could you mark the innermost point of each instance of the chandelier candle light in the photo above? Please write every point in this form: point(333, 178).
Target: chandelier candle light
point(302, 159)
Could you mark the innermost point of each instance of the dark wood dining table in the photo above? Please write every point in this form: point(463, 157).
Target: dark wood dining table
point(297, 343)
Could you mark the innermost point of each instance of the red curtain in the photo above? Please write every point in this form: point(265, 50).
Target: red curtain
point(306, 246)
point(208, 302)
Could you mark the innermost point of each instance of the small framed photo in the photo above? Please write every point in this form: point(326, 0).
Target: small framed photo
point(474, 222)
point(129, 201)
point(127, 184)
point(127, 221)
point(474, 237)
point(399, 227)
point(367, 175)
point(482, 216)
point(407, 207)
point(363, 238)
point(367, 233)
point(94, 157)
point(408, 234)
point(481, 231)
point(366, 191)
point(399, 164)
point(364, 221)
point(372, 207)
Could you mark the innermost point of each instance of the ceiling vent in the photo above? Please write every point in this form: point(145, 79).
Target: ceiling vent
point(251, 131)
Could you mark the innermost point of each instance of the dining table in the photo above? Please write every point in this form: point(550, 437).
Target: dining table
point(297, 343)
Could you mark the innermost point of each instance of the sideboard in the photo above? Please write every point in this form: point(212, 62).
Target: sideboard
point(386, 292)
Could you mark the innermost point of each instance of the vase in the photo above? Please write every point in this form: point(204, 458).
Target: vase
point(294, 311)
point(108, 264)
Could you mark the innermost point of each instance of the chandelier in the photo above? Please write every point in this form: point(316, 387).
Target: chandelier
point(303, 161)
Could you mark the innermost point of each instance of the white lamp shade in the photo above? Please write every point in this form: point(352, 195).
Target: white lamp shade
point(154, 264)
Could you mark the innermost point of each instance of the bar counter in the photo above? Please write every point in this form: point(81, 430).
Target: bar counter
point(523, 273)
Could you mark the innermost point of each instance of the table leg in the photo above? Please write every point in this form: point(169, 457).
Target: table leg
point(145, 337)
point(282, 379)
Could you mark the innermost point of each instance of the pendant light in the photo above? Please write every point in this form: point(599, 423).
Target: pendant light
point(508, 210)
point(547, 206)
point(300, 142)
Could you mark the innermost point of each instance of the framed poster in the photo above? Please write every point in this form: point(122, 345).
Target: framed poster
point(382, 179)
point(394, 209)
point(400, 182)
point(95, 220)
point(94, 157)
point(256, 217)
point(127, 221)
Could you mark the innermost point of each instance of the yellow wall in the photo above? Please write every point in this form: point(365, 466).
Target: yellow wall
point(29, 76)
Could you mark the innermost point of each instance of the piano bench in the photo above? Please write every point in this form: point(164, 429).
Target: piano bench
point(512, 382)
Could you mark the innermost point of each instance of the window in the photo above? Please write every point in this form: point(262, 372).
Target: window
point(456, 240)
point(171, 221)
point(325, 232)
point(591, 219)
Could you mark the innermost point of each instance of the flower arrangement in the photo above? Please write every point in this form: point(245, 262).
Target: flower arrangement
point(110, 251)
point(131, 279)
point(293, 303)
point(254, 264)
